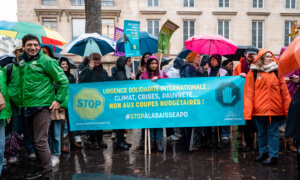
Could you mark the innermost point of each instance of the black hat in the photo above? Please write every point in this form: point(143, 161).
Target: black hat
point(251, 50)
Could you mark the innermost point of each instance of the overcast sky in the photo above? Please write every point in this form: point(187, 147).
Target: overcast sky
point(8, 10)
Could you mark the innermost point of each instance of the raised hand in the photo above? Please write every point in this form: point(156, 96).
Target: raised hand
point(227, 95)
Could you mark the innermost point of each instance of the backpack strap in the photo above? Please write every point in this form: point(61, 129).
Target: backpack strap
point(276, 73)
point(9, 72)
point(255, 75)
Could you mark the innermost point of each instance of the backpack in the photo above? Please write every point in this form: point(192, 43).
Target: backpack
point(9, 71)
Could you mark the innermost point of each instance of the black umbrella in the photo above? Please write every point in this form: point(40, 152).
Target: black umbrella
point(240, 52)
point(165, 61)
point(60, 57)
point(183, 53)
point(6, 59)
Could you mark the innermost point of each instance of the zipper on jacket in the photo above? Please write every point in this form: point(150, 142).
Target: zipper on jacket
point(25, 68)
point(269, 89)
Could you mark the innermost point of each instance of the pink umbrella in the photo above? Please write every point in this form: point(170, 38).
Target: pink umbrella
point(211, 44)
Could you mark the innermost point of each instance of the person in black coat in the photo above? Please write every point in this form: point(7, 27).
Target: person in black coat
point(65, 65)
point(124, 73)
point(94, 72)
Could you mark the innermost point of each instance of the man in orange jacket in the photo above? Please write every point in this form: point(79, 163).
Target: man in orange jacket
point(242, 69)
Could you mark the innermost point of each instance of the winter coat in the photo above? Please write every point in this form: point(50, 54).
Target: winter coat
point(267, 95)
point(121, 73)
point(88, 75)
point(14, 89)
point(189, 71)
point(37, 75)
point(6, 112)
point(293, 123)
point(221, 72)
point(162, 75)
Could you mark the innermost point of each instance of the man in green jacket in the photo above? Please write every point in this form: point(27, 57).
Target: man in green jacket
point(14, 92)
point(38, 73)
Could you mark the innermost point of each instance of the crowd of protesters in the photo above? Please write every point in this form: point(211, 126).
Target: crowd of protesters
point(35, 91)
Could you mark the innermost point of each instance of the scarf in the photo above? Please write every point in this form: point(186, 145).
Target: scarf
point(265, 68)
point(128, 72)
point(245, 66)
point(98, 71)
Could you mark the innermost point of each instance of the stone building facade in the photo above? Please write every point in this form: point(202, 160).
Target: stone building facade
point(263, 23)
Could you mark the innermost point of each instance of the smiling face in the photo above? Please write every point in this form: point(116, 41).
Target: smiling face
point(31, 48)
point(64, 65)
point(96, 58)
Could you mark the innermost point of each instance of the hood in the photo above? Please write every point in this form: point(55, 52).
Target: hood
point(205, 59)
point(218, 57)
point(60, 60)
point(262, 52)
point(187, 64)
point(121, 61)
point(178, 63)
point(114, 70)
point(15, 61)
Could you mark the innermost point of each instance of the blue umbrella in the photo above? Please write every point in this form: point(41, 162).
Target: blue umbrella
point(57, 49)
point(85, 44)
point(148, 43)
point(183, 53)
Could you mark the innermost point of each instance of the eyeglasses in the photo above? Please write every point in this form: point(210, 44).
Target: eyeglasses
point(268, 56)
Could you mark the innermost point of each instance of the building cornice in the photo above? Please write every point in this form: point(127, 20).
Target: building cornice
point(74, 12)
point(153, 12)
point(41, 12)
point(189, 12)
point(290, 14)
point(258, 13)
point(226, 13)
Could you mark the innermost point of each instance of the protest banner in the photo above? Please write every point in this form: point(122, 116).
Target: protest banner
point(131, 38)
point(164, 37)
point(118, 34)
point(191, 102)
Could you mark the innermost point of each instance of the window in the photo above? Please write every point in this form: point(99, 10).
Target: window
point(188, 29)
point(153, 27)
point(108, 28)
point(50, 23)
point(152, 3)
point(78, 27)
point(258, 3)
point(290, 4)
point(223, 3)
point(223, 28)
point(188, 3)
point(107, 2)
point(77, 2)
point(257, 34)
point(287, 31)
point(108, 25)
point(103, 2)
point(49, 2)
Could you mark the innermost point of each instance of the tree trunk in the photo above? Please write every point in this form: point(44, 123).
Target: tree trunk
point(93, 21)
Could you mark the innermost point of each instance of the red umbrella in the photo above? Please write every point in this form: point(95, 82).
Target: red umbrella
point(210, 44)
point(289, 61)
